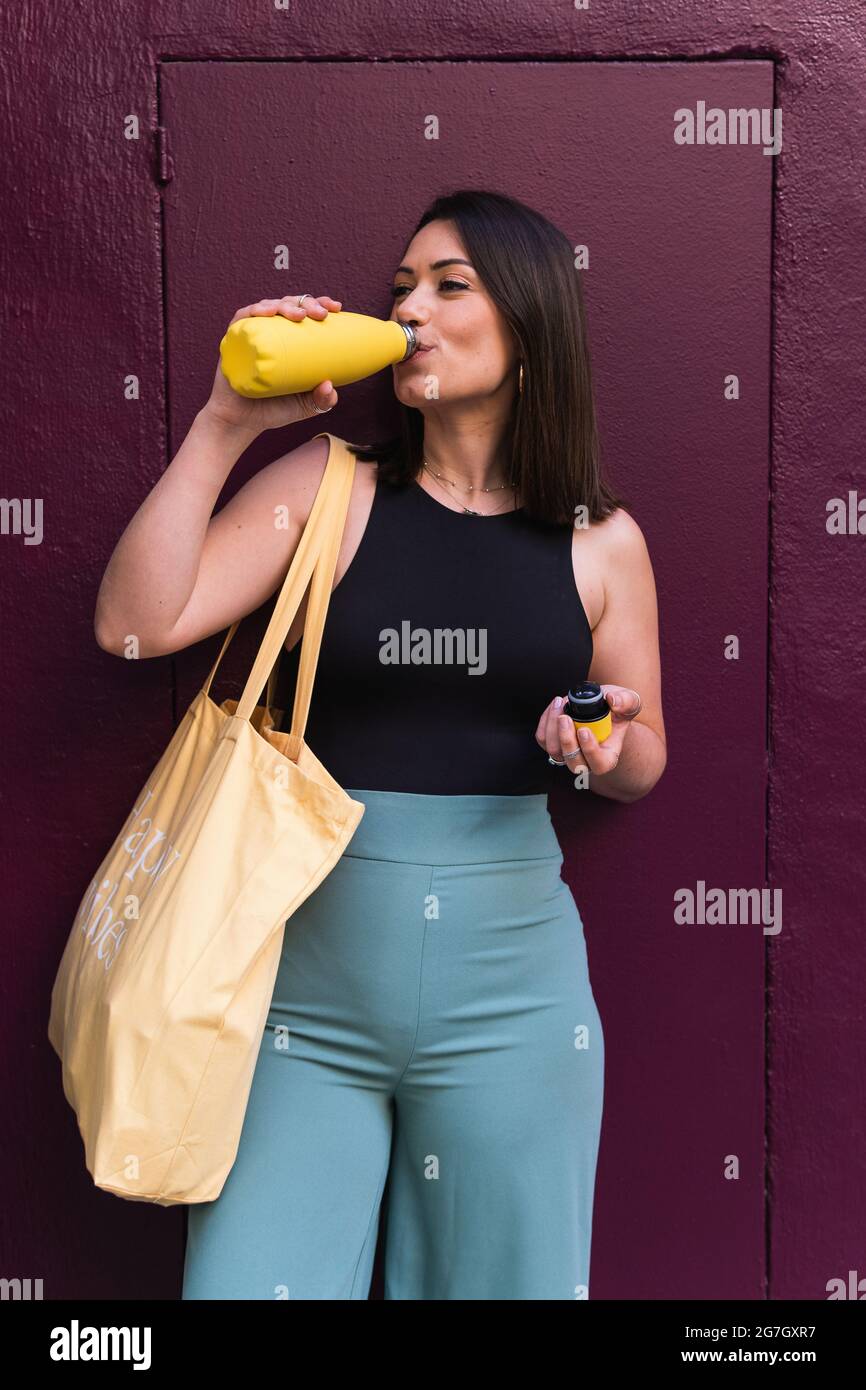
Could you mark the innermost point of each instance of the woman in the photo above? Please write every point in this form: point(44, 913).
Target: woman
point(432, 1028)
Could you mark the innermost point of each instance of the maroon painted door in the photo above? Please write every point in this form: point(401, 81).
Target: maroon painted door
point(322, 168)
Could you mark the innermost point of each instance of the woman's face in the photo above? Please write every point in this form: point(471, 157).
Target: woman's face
point(472, 352)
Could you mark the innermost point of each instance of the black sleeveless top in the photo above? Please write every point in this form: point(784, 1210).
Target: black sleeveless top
point(444, 641)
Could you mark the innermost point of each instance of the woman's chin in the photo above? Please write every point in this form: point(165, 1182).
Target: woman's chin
point(409, 394)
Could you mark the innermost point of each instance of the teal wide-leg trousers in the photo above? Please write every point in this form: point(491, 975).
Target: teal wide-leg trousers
point(433, 1058)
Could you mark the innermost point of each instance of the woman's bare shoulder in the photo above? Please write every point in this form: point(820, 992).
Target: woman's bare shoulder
point(301, 470)
point(606, 554)
point(618, 538)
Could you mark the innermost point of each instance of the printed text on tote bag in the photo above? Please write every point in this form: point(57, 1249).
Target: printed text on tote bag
point(147, 856)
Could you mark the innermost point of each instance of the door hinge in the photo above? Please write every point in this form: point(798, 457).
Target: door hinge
point(164, 167)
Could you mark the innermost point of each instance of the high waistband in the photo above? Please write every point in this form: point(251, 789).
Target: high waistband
point(417, 828)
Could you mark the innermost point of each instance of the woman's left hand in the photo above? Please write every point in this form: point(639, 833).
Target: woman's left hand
point(557, 735)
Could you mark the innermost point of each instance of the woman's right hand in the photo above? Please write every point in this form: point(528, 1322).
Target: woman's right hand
point(270, 412)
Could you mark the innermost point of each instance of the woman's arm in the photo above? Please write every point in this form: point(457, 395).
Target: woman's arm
point(626, 652)
point(179, 574)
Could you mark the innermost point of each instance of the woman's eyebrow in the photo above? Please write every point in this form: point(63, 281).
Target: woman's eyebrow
point(435, 265)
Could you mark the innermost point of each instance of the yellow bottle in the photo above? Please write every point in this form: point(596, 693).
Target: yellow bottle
point(270, 355)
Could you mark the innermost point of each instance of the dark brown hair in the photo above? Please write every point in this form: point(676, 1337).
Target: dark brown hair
point(526, 264)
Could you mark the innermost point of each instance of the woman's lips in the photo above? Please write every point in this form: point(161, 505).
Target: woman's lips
point(419, 352)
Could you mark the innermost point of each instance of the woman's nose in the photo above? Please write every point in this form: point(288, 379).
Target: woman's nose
point(416, 321)
point(411, 310)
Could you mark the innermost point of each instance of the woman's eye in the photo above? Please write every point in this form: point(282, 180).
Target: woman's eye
point(397, 290)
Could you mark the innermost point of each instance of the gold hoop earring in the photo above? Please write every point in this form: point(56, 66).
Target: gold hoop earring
point(520, 380)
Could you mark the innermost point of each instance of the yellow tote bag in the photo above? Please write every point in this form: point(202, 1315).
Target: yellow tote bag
point(162, 994)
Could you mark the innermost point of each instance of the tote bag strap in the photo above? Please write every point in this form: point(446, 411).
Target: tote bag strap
point(272, 678)
point(320, 595)
point(322, 533)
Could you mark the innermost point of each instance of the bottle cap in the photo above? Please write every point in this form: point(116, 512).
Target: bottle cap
point(586, 702)
point(411, 340)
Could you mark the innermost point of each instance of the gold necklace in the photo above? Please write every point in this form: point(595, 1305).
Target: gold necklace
point(471, 488)
point(469, 511)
